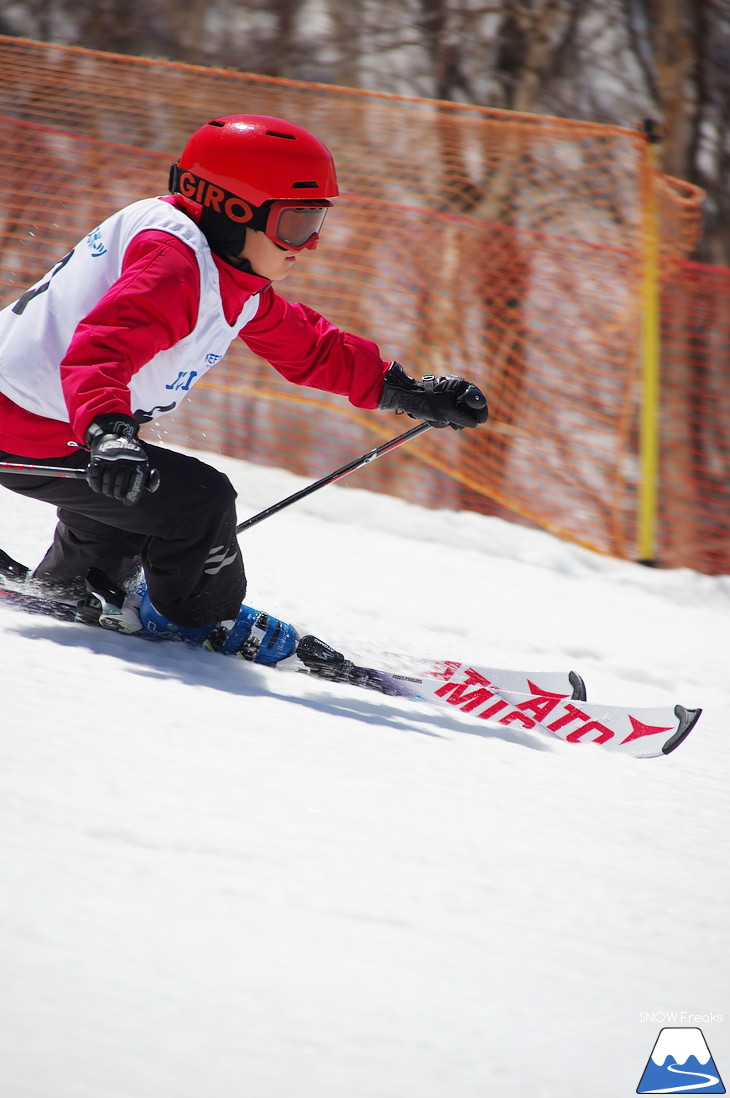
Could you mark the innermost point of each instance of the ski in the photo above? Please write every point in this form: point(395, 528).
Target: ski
point(640, 731)
point(568, 683)
point(551, 703)
point(548, 702)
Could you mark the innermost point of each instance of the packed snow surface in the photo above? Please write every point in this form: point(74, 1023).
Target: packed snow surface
point(220, 880)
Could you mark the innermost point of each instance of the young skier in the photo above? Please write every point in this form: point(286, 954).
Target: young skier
point(124, 325)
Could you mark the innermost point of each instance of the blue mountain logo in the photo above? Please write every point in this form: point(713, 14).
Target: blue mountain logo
point(680, 1063)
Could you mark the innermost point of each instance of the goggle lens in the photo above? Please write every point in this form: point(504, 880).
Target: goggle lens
point(295, 226)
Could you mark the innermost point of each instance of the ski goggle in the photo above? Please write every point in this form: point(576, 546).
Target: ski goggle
point(295, 225)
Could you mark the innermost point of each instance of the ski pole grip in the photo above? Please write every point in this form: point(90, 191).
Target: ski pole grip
point(473, 398)
point(153, 480)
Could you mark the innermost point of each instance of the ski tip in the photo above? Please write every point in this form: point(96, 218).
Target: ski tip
point(687, 720)
point(579, 687)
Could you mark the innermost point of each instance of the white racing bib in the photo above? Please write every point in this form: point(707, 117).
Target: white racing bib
point(36, 330)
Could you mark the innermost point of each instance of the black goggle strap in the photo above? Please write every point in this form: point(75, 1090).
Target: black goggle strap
point(283, 219)
point(211, 197)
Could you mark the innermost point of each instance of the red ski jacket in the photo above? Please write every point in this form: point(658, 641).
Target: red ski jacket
point(151, 307)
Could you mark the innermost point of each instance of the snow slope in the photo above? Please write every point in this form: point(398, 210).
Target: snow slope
point(220, 881)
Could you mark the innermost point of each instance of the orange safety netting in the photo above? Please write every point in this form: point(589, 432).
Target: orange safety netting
point(509, 248)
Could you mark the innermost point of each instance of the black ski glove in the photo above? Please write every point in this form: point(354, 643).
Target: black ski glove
point(442, 402)
point(118, 466)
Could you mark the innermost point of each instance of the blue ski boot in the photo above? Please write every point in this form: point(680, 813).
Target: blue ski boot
point(253, 635)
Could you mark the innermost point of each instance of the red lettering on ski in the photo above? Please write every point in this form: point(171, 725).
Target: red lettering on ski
point(444, 669)
point(475, 690)
point(520, 718)
point(604, 733)
point(541, 705)
point(572, 713)
point(492, 710)
point(456, 689)
point(455, 692)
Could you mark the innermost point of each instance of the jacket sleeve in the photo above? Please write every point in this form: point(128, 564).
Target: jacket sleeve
point(152, 306)
point(307, 349)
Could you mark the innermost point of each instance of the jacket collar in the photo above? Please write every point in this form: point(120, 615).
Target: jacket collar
point(245, 281)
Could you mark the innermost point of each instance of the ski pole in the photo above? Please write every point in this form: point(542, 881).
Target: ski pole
point(338, 474)
point(472, 398)
point(153, 482)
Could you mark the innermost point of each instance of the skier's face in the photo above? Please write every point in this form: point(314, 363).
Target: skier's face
point(266, 258)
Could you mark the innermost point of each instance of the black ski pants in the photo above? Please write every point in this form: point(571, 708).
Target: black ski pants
point(183, 535)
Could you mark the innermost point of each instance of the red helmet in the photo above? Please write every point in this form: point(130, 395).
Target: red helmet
point(244, 160)
point(259, 172)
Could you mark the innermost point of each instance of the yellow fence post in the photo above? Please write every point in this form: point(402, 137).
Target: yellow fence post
point(650, 365)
